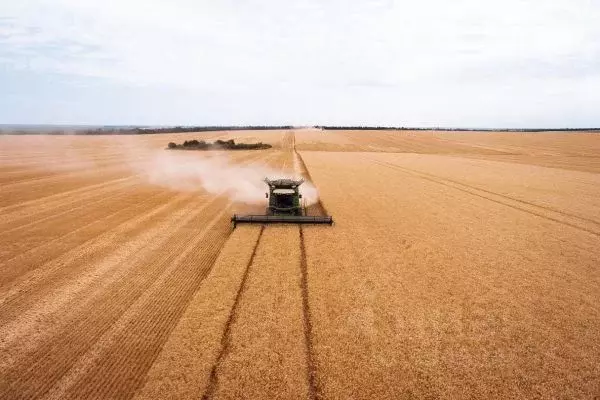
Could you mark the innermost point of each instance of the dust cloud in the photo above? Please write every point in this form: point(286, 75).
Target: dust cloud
point(217, 174)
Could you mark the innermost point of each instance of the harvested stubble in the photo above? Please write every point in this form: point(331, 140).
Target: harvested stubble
point(266, 356)
point(95, 277)
point(466, 271)
point(184, 367)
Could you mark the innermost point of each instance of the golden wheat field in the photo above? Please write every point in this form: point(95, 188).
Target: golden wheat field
point(460, 265)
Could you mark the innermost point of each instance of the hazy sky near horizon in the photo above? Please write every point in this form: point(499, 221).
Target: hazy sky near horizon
point(468, 63)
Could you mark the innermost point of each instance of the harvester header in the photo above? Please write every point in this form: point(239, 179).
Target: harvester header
point(284, 206)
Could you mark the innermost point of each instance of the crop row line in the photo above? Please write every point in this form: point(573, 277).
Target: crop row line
point(77, 234)
point(111, 304)
point(504, 200)
point(93, 247)
point(22, 243)
point(46, 202)
point(136, 227)
point(28, 192)
point(86, 278)
point(50, 202)
point(44, 179)
point(49, 363)
point(32, 217)
point(147, 324)
point(29, 260)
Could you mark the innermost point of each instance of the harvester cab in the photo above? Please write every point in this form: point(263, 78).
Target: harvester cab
point(284, 206)
point(284, 197)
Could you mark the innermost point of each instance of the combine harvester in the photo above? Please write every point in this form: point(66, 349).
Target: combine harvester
point(284, 206)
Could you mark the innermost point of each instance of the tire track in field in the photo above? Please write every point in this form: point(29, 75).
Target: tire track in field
point(505, 200)
point(111, 370)
point(317, 208)
point(39, 370)
point(206, 315)
point(222, 367)
point(476, 188)
point(314, 391)
point(226, 338)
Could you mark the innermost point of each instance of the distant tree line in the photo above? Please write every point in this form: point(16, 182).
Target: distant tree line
point(109, 130)
point(217, 145)
point(175, 129)
point(131, 130)
point(186, 129)
point(403, 128)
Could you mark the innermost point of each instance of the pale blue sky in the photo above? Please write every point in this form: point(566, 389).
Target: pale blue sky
point(471, 63)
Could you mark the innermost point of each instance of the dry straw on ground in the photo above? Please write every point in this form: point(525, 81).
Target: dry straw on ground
point(461, 265)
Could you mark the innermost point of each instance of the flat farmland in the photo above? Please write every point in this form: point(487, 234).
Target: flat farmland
point(460, 265)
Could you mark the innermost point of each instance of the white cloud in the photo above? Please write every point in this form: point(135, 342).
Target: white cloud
point(353, 61)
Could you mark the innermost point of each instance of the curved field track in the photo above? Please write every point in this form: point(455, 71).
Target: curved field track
point(461, 265)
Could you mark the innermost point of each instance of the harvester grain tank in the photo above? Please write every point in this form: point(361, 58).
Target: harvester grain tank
point(284, 206)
